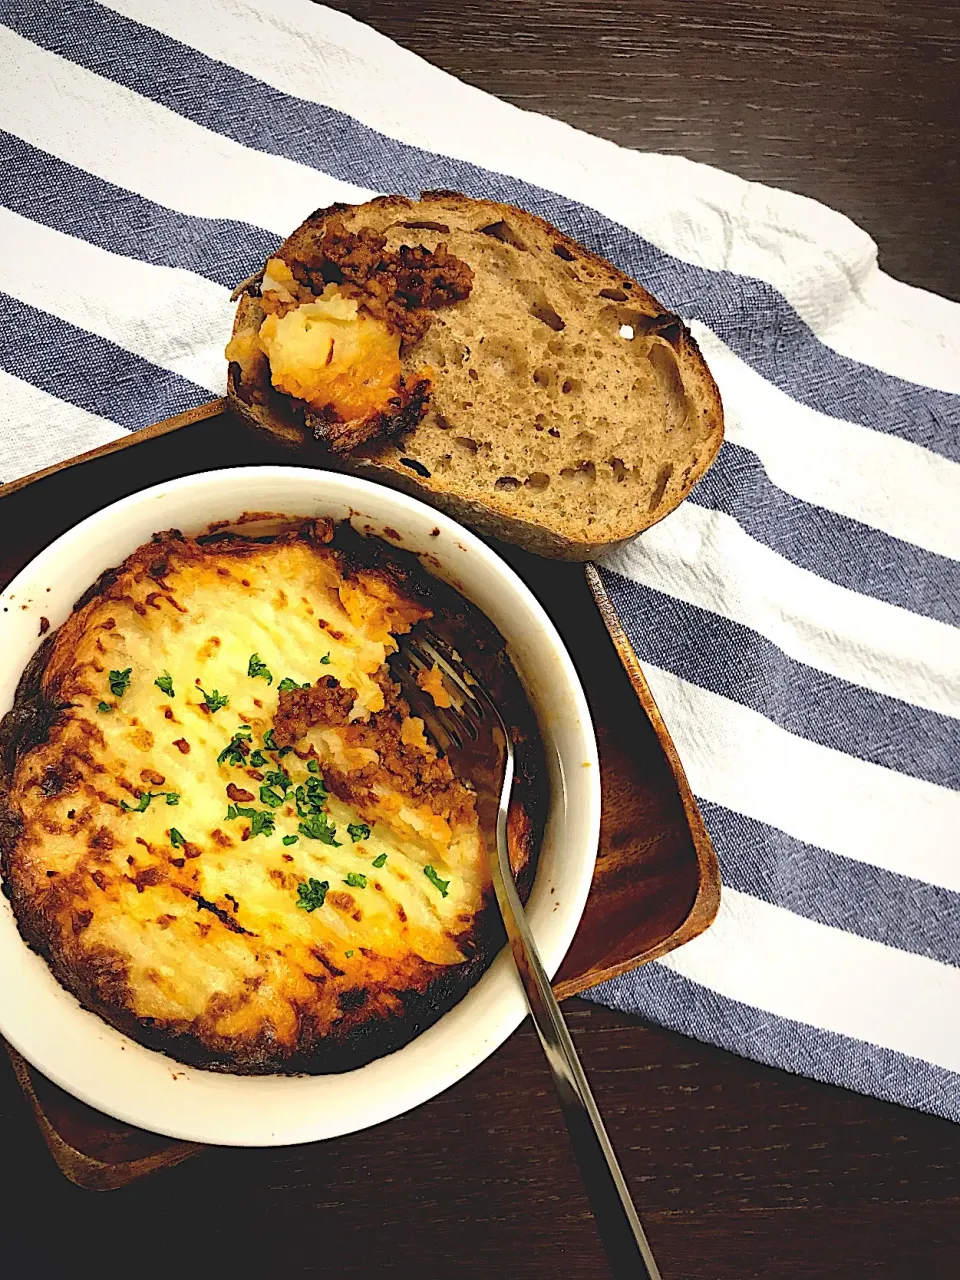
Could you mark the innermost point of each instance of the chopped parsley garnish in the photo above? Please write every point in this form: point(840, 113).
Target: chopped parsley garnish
point(261, 820)
point(380, 860)
point(313, 764)
point(262, 823)
point(256, 668)
point(311, 894)
point(442, 885)
point(165, 684)
point(104, 707)
point(325, 662)
point(143, 804)
point(358, 831)
point(176, 839)
point(120, 682)
point(279, 778)
point(236, 749)
point(316, 791)
point(268, 796)
point(286, 684)
point(348, 954)
point(318, 827)
point(214, 701)
point(310, 798)
point(356, 880)
point(290, 839)
point(269, 741)
point(258, 759)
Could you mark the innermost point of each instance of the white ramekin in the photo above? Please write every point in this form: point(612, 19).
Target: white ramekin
point(80, 1052)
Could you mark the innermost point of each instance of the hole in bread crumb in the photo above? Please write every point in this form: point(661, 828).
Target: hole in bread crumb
point(628, 284)
point(555, 346)
point(570, 385)
point(554, 431)
point(465, 443)
point(473, 375)
point(615, 295)
point(541, 310)
point(543, 376)
point(626, 331)
point(538, 426)
point(503, 231)
point(426, 226)
point(584, 473)
point(619, 470)
point(537, 480)
point(663, 479)
point(413, 465)
point(584, 439)
point(508, 483)
point(563, 252)
point(441, 421)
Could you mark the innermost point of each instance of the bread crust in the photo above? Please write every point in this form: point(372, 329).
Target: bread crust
point(251, 395)
point(370, 1026)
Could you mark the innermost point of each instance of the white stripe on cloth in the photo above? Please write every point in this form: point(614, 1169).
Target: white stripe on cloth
point(137, 144)
point(892, 484)
point(705, 558)
point(33, 424)
point(737, 758)
point(181, 330)
point(693, 211)
point(793, 967)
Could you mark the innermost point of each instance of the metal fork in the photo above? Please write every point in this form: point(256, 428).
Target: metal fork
point(472, 734)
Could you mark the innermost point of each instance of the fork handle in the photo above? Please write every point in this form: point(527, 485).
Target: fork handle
point(619, 1226)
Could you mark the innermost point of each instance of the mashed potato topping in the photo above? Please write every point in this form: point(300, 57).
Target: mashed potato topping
point(235, 840)
point(329, 353)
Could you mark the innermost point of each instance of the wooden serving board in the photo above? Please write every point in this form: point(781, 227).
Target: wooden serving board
point(656, 884)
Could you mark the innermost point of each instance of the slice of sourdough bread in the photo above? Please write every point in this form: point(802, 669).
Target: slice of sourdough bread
point(567, 411)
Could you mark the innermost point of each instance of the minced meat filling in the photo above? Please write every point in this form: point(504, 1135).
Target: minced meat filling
point(404, 766)
point(399, 288)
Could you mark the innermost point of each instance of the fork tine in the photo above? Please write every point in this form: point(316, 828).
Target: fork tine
point(451, 725)
point(426, 657)
point(473, 704)
point(433, 647)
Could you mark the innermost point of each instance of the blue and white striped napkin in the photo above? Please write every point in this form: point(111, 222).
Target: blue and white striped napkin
point(797, 618)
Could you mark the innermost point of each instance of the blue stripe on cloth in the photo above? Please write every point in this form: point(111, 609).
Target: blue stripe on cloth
point(738, 663)
point(840, 892)
point(664, 997)
point(48, 190)
point(751, 317)
point(854, 555)
point(843, 550)
point(89, 371)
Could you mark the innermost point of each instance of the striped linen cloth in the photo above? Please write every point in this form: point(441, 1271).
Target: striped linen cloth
point(797, 618)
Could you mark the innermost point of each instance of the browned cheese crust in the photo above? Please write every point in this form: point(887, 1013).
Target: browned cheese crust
point(292, 880)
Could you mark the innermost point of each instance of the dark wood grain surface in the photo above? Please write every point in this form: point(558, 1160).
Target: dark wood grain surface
point(740, 1171)
point(853, 102)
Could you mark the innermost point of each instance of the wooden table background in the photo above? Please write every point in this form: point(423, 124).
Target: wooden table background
point(740, 1171)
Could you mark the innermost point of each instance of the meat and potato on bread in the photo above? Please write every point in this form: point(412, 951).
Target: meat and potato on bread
point(220, 823)
point(473, 355)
